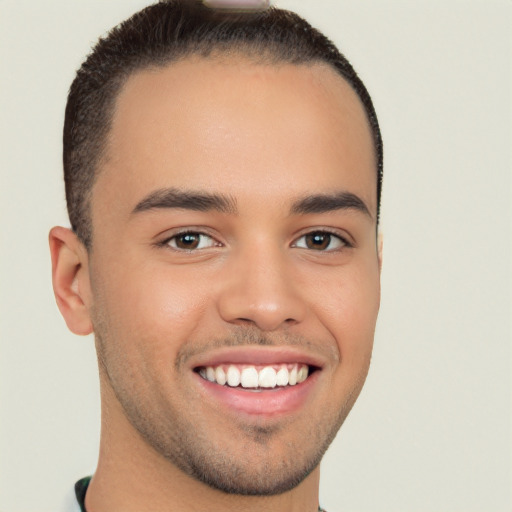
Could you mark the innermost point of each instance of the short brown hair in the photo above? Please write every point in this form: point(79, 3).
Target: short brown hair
point(163, 33)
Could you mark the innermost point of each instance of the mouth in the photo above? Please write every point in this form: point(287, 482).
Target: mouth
point(258, 384)
point(257, 377)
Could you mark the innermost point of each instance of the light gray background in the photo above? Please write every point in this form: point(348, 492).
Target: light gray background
point(432, 429)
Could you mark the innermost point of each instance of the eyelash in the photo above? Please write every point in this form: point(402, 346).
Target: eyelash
point(344, 243)
point(200, 234)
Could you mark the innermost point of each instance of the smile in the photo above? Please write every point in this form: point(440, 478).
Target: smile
point(258, 383)
point(256, 377)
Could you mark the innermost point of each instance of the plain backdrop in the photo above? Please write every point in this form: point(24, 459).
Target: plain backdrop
point(431, 431)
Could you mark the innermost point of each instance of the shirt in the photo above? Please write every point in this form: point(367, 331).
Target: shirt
point(81, 489)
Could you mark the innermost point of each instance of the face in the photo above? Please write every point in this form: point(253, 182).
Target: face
point(234, 271)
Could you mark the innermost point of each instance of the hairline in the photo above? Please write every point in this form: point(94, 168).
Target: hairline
point(242, 52)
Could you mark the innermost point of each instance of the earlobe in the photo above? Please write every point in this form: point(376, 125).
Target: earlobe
point(70, 279)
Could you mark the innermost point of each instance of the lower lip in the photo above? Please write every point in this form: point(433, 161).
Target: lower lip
point(267, 402)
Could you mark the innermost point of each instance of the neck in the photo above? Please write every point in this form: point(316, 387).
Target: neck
point(133, 477)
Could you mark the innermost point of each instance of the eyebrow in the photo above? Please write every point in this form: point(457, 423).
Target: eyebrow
point(205, 201)
point(322, 203)
point(186, 199)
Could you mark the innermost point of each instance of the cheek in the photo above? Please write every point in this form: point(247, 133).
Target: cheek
point(150, 310)
point(349, 312)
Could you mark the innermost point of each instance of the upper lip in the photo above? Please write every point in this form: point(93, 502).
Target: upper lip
point(256, 355)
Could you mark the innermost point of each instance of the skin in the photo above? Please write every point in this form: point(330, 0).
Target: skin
point(265, 136)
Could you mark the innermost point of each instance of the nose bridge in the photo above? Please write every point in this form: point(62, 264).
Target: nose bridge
point(260, 289)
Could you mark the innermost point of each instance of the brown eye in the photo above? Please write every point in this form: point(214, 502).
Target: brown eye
point(187, 241)
point(190, 241)
point(320, 241)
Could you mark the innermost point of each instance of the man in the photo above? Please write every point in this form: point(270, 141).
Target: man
point(223, 174)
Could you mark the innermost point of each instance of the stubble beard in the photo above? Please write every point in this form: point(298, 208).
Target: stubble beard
point(254, 472)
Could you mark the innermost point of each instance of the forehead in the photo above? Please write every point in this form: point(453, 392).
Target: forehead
point(251, 130)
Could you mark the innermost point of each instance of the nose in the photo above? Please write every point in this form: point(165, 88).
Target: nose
point(258, 288)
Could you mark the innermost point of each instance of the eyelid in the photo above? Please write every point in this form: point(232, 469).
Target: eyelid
point(173, 234)
point(343, 237)
point(170, 234)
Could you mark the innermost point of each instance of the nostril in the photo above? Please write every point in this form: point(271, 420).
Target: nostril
point(244, 321)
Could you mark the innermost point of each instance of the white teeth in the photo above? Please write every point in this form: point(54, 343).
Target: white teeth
point(210, 374)
point(249, 377)
point(220, 376)
point(282, 377)
point(302, 375)
point(267, 377)
point(233, 376)
point(292, 378)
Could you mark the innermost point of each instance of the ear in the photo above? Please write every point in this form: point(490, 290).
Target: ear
point(70, 277)
point(380, 242)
